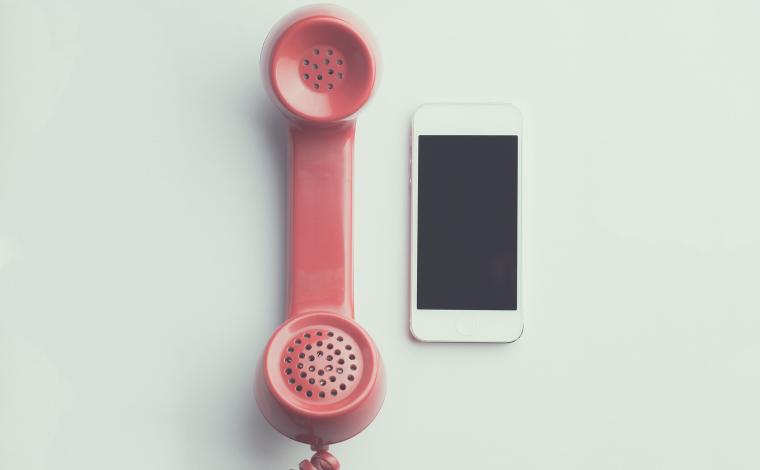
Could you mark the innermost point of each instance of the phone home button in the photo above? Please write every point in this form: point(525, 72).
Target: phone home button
point(466, 325)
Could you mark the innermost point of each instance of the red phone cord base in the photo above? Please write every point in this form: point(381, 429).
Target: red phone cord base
point(321, 460)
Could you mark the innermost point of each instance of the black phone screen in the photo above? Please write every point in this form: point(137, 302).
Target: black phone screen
point(467, 211)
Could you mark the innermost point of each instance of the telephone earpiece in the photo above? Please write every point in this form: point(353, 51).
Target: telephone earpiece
point(321, 379)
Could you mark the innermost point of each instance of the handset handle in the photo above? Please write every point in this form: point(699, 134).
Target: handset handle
point(320, 255)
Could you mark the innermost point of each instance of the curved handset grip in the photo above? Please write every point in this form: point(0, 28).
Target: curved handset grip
point(320, 251)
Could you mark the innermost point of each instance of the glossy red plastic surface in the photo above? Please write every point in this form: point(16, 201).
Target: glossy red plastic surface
point(321, 276)
point(309, 34)
point(321, 378)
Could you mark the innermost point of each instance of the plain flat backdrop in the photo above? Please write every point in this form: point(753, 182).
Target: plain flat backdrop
point(141, 236)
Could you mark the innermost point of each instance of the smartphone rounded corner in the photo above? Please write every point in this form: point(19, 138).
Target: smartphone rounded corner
point(519, 334)
point(515, 110)
point(418, 115)
point(420, 108)
point(414, 330)
point(513, 117)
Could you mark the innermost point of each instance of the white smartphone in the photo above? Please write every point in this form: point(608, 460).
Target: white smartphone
point(466, 167)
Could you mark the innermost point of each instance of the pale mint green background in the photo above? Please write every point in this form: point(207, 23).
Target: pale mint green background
point(141, 236)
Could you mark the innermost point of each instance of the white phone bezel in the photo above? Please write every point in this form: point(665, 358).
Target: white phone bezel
point(502, 326)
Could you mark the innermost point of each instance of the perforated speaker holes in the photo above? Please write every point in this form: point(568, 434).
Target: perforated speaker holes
point(321, 365)
point(323, 68)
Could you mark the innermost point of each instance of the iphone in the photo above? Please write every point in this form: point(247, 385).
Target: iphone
point(466, 165)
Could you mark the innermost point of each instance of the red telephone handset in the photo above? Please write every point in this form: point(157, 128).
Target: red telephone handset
point(321, 379)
